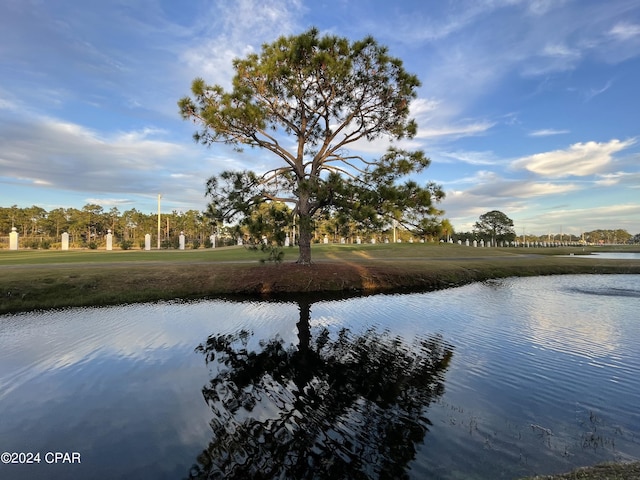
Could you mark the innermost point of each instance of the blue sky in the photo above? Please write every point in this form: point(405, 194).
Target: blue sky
point(528, 107)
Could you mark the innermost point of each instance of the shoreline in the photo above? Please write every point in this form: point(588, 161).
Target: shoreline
point(27, 287)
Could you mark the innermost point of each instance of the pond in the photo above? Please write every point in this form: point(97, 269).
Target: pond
point(618, 255)
point(499, 379)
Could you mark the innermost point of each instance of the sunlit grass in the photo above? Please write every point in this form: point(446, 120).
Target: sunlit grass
point(54, 279)
point(319, 252)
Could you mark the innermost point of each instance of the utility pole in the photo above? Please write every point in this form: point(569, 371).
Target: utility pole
point(159, 197)
point(395, 238)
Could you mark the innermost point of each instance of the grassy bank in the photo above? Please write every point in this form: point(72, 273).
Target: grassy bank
point(605, 471)
point(55, 279)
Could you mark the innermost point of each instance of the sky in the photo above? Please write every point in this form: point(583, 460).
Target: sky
point(527, 107)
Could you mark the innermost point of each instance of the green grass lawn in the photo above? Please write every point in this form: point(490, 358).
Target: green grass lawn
point(319, 252)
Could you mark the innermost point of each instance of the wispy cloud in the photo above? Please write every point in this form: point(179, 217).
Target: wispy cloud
point(456, 131)
point(578, 219)
point(524, 189)
point(625, 31)
point(629, 179)
point(470, 157)
point(594, 92)
point(494, 186)
point(546, 132)
point(110, 202)
point(236, 29)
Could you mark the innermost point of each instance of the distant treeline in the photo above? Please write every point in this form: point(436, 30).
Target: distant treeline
point(91, 223)
point(594, 237)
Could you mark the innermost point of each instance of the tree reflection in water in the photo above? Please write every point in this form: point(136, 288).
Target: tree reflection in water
point(345, 407)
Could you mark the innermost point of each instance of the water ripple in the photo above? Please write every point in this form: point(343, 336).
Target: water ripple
point(505, 378)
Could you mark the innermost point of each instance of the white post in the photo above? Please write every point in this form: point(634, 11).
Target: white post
point(147, 241)
point(213, 241)
point(13, 239)
point(181, 240)
point(395, 224)
point(65, 241)
point(109, 240)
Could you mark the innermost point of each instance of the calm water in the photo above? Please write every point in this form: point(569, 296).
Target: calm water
point(619, 255)
point(494, 380)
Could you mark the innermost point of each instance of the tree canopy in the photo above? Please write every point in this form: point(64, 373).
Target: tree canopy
point(309, 100)
point(496, 225)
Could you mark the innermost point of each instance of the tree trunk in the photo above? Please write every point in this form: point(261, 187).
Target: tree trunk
point(304, 240)
point(305, 227)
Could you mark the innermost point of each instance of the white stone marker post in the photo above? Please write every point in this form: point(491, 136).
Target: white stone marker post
point(212, 238)
point(109, 240)
point(181, 241)
point(13, 239)
point(147, 241)
point(65, 241)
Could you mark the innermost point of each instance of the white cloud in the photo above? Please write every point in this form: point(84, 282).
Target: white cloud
point(490, 191)
point(48, 152)
point(421, 107)
point(580, 159)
